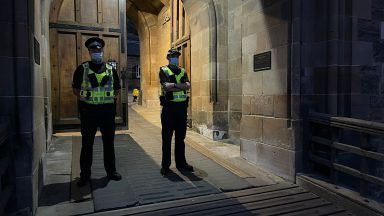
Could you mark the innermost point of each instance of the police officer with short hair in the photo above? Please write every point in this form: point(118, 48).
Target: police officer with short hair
point(174, 99)
point(96, 84)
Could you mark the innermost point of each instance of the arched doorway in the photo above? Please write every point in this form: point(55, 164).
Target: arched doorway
point(161, 25)
point(71, 24)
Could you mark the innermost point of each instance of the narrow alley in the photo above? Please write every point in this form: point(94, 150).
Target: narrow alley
point(282, 101)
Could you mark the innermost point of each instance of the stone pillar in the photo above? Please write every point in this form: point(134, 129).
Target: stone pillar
point(21, 94)
point(235, 82)
point(269, 135)
point(208, 23)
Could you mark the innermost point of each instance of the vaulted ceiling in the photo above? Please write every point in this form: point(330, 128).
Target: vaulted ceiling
point(149, 6)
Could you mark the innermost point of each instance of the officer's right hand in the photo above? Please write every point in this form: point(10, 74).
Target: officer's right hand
point(169, 86)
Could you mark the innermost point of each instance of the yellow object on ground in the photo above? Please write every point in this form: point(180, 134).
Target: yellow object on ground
point(135, 92)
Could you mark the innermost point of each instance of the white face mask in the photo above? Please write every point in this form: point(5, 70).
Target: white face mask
point(97, 57)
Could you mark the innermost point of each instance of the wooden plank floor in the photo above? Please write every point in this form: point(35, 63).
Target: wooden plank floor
point(278, 199)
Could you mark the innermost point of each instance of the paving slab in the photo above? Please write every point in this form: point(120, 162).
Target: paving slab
point(56, 190)
point(56, 196)
point(78, 194)
point(66, 209)
point(142, 182)
point(138, 160)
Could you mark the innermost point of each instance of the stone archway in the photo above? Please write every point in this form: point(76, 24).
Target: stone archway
point(32, 146)
point(153, 20)
point(145, 15)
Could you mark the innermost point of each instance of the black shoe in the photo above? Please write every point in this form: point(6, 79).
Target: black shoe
point(164, 171)
point(114, 176)
point(185, 168)
point(82, 182)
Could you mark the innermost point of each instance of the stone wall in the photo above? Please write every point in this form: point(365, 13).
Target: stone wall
point(220, 107)
point(266, 128)
point(132, 62)
point(343, 58)
point(235, 81)
point(24, 93)
point(200, 62)
point(228, 97)
point(155, 41)
point(208, 24)
point(343, 70)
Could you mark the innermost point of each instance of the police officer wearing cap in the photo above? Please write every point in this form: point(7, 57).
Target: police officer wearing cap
point(174, 100)
point(96, 84)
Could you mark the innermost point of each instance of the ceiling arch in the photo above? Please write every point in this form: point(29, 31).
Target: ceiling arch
point(149, 6)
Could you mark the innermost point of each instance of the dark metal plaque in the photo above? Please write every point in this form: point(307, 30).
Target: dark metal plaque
point(262, 61)
point(36, 51)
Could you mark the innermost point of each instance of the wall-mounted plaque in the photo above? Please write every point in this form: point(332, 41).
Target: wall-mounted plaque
point(262, 61)
point(36, 51)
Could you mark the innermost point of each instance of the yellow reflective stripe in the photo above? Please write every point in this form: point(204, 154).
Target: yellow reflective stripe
point(97, 94)
point(100, 76)
point(181, 74)
point(100, 95)
point(179, 96)
point(167, 70)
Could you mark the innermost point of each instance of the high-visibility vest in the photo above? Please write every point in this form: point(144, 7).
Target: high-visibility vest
point(100, 94)
point(178, 96)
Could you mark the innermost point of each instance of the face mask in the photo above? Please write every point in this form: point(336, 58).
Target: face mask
point(97, 57)
point(174, 61)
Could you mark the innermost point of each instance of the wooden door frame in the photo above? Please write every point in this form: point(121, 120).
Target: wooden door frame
point(179, 42)
point(80, 29)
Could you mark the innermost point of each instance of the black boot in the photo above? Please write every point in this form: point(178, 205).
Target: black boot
point(82, 181)
point(185, 168)
point(114, 176)
point(164, 171)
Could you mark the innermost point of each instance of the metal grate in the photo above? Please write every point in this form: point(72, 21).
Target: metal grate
point(327, 149)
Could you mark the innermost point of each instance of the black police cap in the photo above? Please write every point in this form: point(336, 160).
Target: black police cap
point(173, 52)
point(95, 42)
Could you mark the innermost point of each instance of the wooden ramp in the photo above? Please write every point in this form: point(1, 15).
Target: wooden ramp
point(278, 199)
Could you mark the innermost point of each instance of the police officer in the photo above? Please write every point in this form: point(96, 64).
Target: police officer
point(96, 84)
point(174, 99)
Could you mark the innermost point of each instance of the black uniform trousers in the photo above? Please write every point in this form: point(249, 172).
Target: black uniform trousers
point(92, 117)
point(174, 119)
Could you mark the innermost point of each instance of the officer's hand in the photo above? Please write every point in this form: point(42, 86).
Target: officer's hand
point(169, 86)
point(76, 92)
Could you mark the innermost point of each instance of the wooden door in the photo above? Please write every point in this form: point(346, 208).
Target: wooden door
point(72, 22)
point(66, 104)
